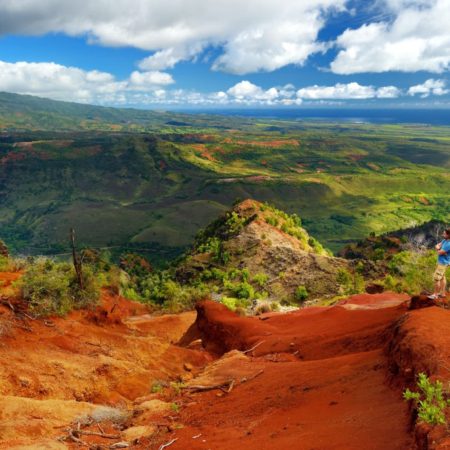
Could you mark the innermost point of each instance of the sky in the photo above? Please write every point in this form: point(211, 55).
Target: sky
point(228, 53)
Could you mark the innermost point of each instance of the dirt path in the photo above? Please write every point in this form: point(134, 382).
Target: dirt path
point(334, 403)
point(323, 384)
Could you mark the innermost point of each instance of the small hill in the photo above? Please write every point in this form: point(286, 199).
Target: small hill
point(257, 251)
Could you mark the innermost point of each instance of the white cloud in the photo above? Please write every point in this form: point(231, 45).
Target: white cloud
point(73, 84)
point(154, 88)
point(388, 92)
point(247, 93)
point(169, 57)
point(429, 87)
point(417, 39)
point(254, 35)
point(271, 46)
point(148, 80)
point(347, 91)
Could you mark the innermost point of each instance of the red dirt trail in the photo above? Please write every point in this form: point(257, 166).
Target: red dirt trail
point(321, 378)
point(327, 380)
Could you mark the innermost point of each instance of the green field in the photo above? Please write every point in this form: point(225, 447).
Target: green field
point(148, 180)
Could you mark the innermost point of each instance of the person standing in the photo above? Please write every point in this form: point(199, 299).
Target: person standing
point(440, 281)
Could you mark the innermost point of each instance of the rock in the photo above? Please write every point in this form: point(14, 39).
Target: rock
point(133, 433)
point(188, 367)
point(154, 406)
point(24, 382)
point(196, 345)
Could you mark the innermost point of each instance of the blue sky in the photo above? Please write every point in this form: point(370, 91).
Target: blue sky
point(228, 53)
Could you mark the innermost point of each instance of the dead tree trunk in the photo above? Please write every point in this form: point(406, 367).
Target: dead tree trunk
point(76, 260)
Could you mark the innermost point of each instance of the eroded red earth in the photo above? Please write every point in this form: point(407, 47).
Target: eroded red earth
point(315, 379)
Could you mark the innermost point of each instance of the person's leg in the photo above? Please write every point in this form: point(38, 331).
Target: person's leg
point(437, 277)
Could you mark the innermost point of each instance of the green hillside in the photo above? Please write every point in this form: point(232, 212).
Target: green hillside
point(149, 180)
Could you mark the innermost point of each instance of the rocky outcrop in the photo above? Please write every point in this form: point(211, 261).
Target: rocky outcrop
point(270, 243)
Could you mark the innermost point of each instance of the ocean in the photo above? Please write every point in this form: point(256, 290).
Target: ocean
point(380, 116)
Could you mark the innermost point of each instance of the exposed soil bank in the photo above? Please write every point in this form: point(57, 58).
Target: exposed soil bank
point(315, 379)
point(331, 378)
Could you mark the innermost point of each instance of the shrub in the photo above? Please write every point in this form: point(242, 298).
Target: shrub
point(244, 290)
point(235, 223)
point(135, 265)
point(272, 221)
point(5, 263)
point(179, 298)
point(275, 306)
point(351, 283)
point(429, 400)
point(413, 270)
point(301, 293)
point(260, 279)
point(51, 288)
point(235, 304)
point(229, 302)
point(263, 308)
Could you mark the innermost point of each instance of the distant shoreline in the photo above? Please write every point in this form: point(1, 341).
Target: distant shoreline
point(370, 116)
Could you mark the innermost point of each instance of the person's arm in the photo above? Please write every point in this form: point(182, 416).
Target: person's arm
point(445, 248)
point(438, 246)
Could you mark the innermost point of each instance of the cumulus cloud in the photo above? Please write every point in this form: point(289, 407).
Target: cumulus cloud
point(249, 93)
point(255, 35)
point(429, 87)
point(347, 91)
point(418, 38)
point(73, 84)
point(148, 80)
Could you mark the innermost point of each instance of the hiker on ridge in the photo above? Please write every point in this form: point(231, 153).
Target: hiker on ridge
point(440, 281)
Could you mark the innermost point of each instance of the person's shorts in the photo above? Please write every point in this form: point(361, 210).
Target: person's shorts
point(439, 273)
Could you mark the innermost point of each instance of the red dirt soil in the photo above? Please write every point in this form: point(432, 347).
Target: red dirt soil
point(332, 378)
point(321, 378)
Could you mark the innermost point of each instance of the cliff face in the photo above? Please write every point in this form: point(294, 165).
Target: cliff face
point(277, 254)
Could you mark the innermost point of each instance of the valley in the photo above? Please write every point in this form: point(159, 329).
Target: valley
point(127, 179)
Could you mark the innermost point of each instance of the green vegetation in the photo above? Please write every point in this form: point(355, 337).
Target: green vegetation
point(430, 400)
point(301, 294)
point(351, 282)
point(411, 271)
point(51, 287)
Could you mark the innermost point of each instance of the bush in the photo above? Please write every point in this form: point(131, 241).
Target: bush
point(260, 279)
point(135, 265)
point(350, 283)
point(5, 263)
point(244, 290)
point(301, 294)
point(272, 221)
point(429, 400)
point(413, 270)
point(51, 288)
point(235, 223)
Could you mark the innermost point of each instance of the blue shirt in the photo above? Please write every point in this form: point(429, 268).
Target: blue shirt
point(445, 259)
